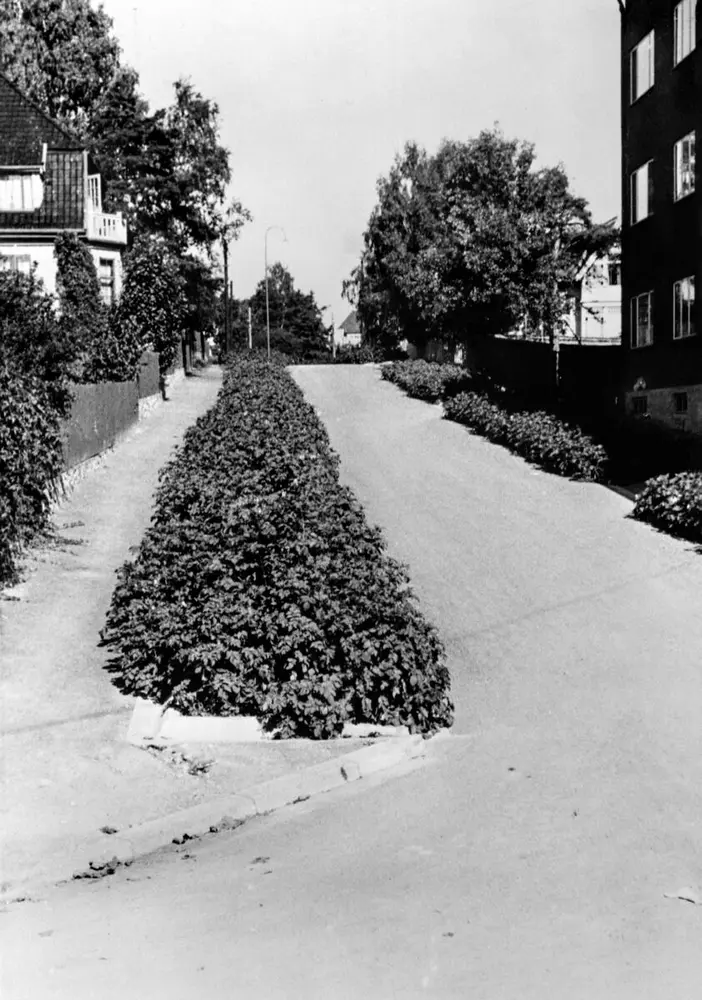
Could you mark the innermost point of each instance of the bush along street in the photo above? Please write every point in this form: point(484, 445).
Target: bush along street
point(260, 588)
point(538, 437)
point(673, 503)
point(427, 380)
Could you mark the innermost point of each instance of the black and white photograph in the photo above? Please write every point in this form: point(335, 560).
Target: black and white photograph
point(350, 500)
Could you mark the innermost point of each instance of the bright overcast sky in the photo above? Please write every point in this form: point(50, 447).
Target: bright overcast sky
point(317, 96)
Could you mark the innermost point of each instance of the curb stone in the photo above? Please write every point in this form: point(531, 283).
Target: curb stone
point(105, 853)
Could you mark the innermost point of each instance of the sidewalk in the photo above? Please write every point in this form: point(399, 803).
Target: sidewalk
point(66, 768)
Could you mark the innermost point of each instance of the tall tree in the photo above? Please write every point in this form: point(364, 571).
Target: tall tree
point(296, 323)
point(472, 241)
point(61, 53)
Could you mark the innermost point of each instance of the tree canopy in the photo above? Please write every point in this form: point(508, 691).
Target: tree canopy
point(296, 323)
point(471, 241)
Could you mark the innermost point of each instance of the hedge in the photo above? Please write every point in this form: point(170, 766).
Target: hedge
point(673, 503)
point(30, 464)
point(538, 437)
point(260, 588)
point(427, 380)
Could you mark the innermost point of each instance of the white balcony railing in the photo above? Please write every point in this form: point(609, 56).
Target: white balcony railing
point(105, 227)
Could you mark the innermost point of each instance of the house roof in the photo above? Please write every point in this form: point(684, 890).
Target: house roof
point(24, 128)
point(350, 325)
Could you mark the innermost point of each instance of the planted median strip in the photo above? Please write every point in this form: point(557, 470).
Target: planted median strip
point(260, 589)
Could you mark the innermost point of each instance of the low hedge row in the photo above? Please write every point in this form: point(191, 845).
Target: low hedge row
point(260, 588)
point(538, 437)
point(673, 503)
point(427, 380)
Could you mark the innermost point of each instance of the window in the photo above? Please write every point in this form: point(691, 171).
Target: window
point(106, 274)
point(641, 67)
point(680, 402)
point(614, 272)
point(684, 308)
point(21, 192)
point(642, 320)
point(642, 192)
point(639, 405)
point(16, 262)
point(684, 166)
point(685, 30)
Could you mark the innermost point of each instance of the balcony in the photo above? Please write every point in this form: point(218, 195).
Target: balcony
point(105, 228)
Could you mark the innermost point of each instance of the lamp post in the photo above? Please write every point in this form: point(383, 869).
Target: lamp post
point(265, 260)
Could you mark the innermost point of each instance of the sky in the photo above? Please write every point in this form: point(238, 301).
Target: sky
point(317, 97)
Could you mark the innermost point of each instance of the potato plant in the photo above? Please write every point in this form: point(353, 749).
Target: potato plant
point(261, 589)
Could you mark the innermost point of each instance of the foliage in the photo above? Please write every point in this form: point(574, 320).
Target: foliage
point(357, 354)
point(296, 324)
point(470, 242)
point(261, 589)
point(538, 437)
point(30, 462)
point(152, 306)
point(83, 316)
point(427, 380)
point(31, 338)
point(61, 53)
point(673, 503)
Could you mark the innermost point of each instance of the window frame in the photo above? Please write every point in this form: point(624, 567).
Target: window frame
point(18, 262)
point(634, 307)
point(634, 218)
point(634, 56)
point(680, 35)
point(678, 149)
point(107, 286)
point(680, 305)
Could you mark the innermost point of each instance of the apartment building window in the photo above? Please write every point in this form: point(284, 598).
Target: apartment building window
point(106, 274)
point(684, 166)
point(639, 405)
point(684, 29)
point(642, 192)
point(684, 308)
point(642, 320)
point(614, 272)
point(680, 402)
point(641, 66)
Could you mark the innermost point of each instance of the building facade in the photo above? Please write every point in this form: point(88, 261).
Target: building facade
point(46, 187)
point(662, 211)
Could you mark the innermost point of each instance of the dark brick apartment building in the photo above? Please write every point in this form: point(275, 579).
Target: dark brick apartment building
point(662, 211)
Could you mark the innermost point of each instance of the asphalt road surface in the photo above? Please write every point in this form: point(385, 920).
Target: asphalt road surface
point(537, 853)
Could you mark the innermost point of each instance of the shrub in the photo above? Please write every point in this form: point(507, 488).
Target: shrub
point(83, 315)
point(30, 463)
point(427, 380)
point(361, 354)
point(261, 589)
point(152, 306)
point(538, 437)
point(673, 503)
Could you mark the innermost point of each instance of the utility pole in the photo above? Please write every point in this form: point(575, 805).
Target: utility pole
point(227, 337)
point(250, 331)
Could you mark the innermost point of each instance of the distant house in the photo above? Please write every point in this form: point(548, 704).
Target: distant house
point(348, 334)
point(595, 312)
point(47, 186)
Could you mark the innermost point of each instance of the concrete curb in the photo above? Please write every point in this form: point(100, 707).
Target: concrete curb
point(151, 722)
point(102, 855)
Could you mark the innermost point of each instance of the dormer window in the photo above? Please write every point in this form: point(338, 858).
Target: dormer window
point(20, 192)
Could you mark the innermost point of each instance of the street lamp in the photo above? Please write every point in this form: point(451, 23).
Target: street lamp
point(265, 258)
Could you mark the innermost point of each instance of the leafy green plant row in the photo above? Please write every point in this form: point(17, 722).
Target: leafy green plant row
point(260, 588)
point(427, 380)
point(538, 437)
point(673, 503)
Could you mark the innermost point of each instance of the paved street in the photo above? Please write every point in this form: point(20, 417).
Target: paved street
point(529, 857)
